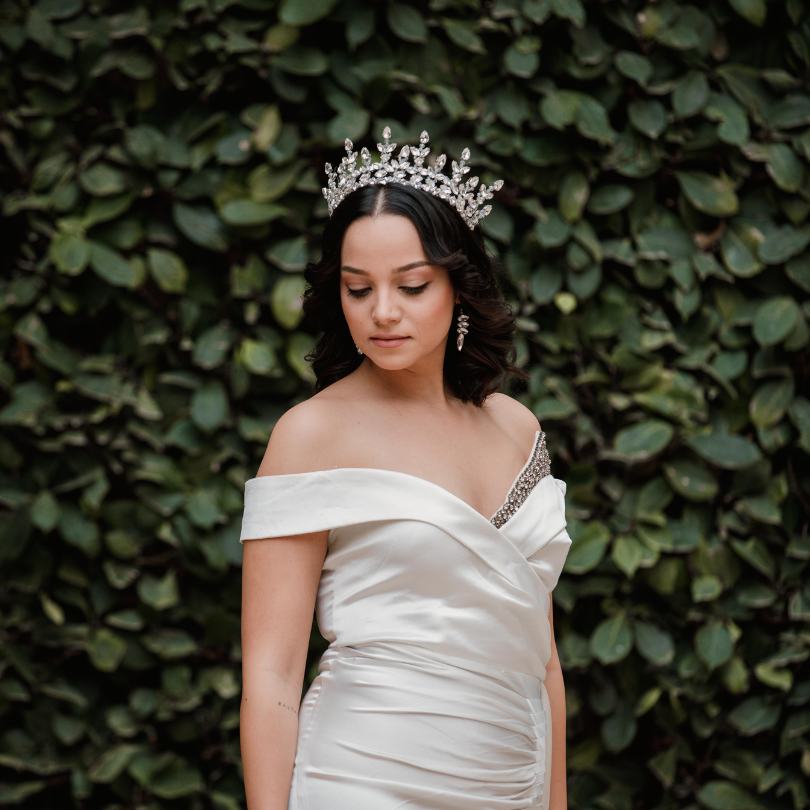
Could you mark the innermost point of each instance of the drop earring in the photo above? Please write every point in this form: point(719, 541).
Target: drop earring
point(359, 350)
point(461, 328)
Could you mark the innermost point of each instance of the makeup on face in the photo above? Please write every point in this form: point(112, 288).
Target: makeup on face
point(393, 339)
point(387, 343)
point(413, 289)
point(361, 292)
point(384, 275)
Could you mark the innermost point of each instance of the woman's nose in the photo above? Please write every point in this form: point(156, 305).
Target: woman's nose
point(385, 308)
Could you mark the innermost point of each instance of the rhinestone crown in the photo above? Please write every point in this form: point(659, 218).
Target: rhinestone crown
point(389, 169)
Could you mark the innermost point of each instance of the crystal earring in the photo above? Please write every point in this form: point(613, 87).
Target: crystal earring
point(461, 328)
point(359, 350)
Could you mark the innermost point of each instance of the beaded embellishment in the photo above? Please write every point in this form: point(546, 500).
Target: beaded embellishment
point(536, 468)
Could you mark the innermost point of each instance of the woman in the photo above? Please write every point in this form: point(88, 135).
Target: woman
point(415, 507)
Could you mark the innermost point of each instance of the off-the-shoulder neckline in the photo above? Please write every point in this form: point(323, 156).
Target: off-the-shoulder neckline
point(538, 434)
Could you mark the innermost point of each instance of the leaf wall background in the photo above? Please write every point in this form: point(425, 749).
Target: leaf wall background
point(161, 175)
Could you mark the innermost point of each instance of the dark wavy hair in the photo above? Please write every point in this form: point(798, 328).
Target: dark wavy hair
point(488, 354)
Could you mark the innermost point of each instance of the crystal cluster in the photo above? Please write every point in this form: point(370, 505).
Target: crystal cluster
point(399, 169)
point(537, 467)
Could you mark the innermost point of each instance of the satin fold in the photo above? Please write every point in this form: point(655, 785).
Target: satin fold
point(431, 692)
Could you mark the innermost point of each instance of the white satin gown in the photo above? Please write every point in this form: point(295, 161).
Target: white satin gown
point(431, 694)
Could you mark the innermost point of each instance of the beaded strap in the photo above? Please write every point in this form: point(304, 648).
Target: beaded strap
point(536, 468)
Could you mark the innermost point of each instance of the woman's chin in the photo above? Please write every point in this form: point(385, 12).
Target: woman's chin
point(390, 363)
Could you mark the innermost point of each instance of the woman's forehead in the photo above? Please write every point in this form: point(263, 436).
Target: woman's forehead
point(394, 238)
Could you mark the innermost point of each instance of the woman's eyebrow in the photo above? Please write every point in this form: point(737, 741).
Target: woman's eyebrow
point(348, 269)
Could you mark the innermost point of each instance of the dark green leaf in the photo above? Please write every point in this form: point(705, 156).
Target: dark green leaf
point(592, 121)
point(352, 123)
point(257, 357)
point(168, 269)
point(648, 117)
point(106, 649)
point(588, 548)
point(725, 450)
point(463, 34)
point(286, 300)
point(572, 10)
point(655, 644)
point(634, 66)
point(754, 715)
point(110, 265)
point(612, 640)
point(573, 195)
point(112, 763)
point(706, 588)
point(628, 554)
point(522, 58)
point(770, 402)
point(755, 12)
point(178, 780)
point(733, 127)
point(200, 225)
point(559, 107)
point(159, 592)
point(212, 346)
point(245, 213)
point(406, 22)
point(691, 94)
point(552, 230)
point(170, 643)
point(610, 198)
point(296, 12)
point(713, 643)
point(693, 481)
point(791, 111)
point(209, 406)
point(738, 257)
point(724, 795)
point(785, 168)
point(643, 440)
point(302, 60)
point(290, 254)
point(711, 195)
point(102, 180)
point(784, 243)
point(775, 320)
point(70, 253)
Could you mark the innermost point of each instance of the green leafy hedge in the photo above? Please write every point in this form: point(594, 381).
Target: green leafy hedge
point(162, 172)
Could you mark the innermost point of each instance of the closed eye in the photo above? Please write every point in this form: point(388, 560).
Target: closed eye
point(408, 290)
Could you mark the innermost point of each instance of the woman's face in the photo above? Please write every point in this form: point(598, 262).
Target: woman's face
point(388, 288)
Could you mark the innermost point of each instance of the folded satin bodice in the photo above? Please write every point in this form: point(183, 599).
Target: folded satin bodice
point(431, 691)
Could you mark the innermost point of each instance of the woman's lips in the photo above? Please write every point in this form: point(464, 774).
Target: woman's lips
point(389, 343)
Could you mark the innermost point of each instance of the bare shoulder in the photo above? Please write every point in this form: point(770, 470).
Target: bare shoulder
point(297, 439)
point(513, 415)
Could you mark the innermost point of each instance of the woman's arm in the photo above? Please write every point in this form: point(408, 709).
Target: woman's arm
point(280, 577)
point(279, 583)
point(555, 686)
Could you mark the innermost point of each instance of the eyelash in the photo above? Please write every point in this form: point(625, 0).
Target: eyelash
point(408, 290)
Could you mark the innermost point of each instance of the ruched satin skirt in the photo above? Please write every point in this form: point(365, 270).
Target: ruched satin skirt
point(389, 726)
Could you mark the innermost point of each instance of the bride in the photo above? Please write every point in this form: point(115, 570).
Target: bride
point(412, 507)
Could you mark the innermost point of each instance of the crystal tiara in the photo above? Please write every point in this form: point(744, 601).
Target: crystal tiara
point(350, 177)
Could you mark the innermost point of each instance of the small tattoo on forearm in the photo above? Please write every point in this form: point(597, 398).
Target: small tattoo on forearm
point(288, 706)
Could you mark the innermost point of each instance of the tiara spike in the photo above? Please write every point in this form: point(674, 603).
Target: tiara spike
point(393, 168)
